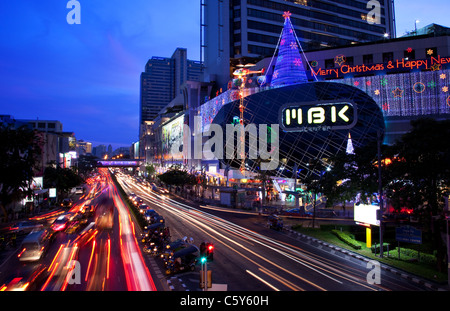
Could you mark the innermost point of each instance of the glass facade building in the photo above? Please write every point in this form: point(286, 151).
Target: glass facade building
point(162, 80)
point(244, 29)
point(321, 117)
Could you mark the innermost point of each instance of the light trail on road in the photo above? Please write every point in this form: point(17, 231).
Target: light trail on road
point(231, 233)
point(137, 274)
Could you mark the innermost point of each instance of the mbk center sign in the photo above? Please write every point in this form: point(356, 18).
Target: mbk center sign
point(322, 115)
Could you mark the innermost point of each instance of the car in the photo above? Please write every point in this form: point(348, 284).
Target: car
point(163, 190)
point(159, 189)
point(22, 227)
point(150, 215)
point(143, 208)
point(138, 201)
point(15, 284)
point(67, 202)
point(35, 245)
point(74, 226)
point(60, 223)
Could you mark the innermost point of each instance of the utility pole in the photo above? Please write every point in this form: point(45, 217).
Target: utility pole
point(380, 191)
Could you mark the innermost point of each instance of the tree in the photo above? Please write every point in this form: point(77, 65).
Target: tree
point(338, 185)
point(314, 181)
point(177, 177)
point(351, 174)
point(87, 163)
point(19, 157)
point(151, 170)
point(419, 175)
point(264, 176)
point(63, 179)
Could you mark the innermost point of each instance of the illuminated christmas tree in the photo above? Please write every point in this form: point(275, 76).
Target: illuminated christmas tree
point(289, 68)
point(350, 149)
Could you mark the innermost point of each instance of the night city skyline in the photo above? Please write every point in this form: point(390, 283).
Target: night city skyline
point(234, 147)
point(87, 76)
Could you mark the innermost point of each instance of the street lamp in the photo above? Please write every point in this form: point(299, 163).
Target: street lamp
point(415, 24)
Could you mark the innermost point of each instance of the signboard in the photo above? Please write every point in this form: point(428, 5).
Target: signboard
point(316, 116)
point(172, 139)
point(366, 214)
point(37, 183)
point(408, 234)
point(52, 193)
point(342, 68)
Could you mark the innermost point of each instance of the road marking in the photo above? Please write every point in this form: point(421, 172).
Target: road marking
point(262, 280)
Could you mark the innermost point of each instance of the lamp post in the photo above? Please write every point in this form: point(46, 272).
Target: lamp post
point(380, 191)
point(415, 26)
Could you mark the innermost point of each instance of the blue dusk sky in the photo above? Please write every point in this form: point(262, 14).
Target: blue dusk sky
point(87, 75)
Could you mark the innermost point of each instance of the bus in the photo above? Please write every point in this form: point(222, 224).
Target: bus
point(104, 214)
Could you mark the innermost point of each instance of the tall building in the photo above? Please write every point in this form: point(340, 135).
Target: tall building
point(162, 80)
point(99, 151)
point(235, 29)
point(83, 147)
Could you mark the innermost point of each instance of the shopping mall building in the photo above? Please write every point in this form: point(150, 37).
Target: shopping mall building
point(314, 100)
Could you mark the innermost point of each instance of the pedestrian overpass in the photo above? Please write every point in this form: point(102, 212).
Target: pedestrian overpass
point(119, 163)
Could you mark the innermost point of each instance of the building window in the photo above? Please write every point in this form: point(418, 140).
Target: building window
point(41, 125)
point(350, 61)
point(368, 59)
point(409, 54)
point(329, 63)
point(388, 57)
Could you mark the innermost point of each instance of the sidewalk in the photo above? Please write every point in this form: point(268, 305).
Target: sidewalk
point(403, 274)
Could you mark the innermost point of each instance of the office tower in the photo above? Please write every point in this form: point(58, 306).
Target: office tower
point(240, 29)
point(162, 80)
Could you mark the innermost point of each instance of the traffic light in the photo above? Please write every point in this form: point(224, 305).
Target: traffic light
point(206, 252)
point(209, 251)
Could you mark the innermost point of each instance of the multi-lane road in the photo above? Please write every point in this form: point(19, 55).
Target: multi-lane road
point(251, 257)
point(93, 257)
point(248, 255)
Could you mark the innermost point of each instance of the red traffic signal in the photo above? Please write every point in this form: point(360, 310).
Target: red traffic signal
point(209, 251)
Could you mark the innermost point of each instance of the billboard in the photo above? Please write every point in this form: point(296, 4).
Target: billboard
point(366, 214)
point(172, 135)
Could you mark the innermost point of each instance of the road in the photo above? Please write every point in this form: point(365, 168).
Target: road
point(95, 257)
point(251, 257)
point(104, 253)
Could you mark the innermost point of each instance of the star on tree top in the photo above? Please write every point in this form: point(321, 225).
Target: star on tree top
point(287, 14)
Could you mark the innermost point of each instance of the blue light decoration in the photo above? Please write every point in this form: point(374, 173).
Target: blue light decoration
point(289, 68)
point(407, 94)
